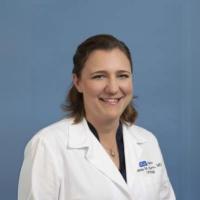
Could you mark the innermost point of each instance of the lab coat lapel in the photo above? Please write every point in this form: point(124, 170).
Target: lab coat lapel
point(101, 160)
point(80, 137)
point(133, 151)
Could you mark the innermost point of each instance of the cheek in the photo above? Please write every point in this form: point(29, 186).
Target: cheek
point(128, 88)
point(92, 90)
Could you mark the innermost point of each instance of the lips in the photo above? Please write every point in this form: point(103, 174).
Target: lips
point(111, 101)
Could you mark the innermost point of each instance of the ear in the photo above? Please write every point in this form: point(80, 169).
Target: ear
point(76, 82)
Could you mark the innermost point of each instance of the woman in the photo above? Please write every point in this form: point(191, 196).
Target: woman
point(97, 153)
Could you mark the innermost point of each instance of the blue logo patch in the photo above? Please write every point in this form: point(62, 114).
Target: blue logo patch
point(143, 163)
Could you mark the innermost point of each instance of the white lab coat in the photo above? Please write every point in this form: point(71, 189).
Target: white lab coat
point(65, 161)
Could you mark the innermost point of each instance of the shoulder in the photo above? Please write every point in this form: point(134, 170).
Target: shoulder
point(51, 136)
point(57, 129)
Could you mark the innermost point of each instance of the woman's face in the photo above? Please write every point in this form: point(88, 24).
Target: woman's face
point(106, 84)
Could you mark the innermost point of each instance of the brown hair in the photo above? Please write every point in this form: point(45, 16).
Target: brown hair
point(74, 105)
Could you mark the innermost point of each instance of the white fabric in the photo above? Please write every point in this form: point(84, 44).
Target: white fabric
point(66, 162)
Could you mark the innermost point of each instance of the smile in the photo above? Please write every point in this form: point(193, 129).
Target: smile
point(112, 101)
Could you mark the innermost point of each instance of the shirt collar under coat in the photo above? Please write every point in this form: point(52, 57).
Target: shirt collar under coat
point(80, 137)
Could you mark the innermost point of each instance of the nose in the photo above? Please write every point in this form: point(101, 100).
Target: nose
point(112, 86)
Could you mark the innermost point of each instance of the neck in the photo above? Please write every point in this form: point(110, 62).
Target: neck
point(105, 128)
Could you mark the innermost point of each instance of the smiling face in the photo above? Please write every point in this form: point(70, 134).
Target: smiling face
point(106, 84)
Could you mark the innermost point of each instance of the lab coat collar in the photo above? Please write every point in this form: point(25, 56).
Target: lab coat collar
point(78, 135)
point(132, 136)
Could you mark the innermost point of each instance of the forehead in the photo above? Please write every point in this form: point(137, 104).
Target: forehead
point(114, 59)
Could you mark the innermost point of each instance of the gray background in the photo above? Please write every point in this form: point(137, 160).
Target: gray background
point(37, 41)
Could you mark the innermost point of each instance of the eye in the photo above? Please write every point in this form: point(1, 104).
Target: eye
point(123, 76)
point(98, 77)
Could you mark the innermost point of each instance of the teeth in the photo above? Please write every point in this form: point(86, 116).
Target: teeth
point(111, 101)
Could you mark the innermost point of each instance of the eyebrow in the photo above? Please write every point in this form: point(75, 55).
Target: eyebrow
point(104, 72)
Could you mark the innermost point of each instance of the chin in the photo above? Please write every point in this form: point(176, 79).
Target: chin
point(111, 117)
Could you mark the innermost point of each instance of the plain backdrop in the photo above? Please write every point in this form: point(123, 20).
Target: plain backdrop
point(37, 42)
